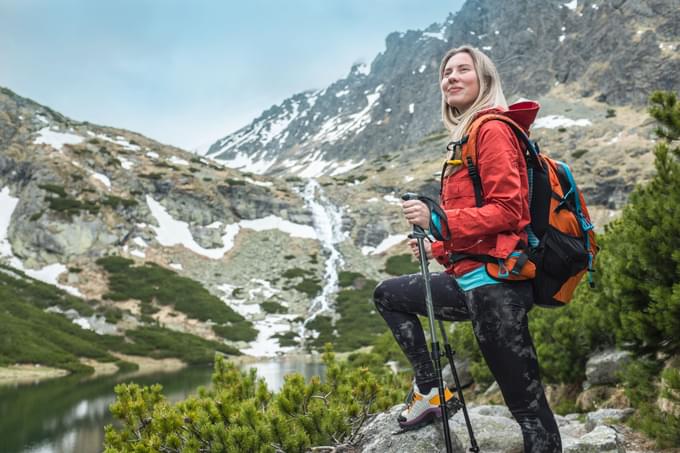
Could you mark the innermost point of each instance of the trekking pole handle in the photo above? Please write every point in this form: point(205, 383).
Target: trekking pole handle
point(418, 231)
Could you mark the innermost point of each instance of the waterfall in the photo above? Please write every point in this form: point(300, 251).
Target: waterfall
point(327, 220)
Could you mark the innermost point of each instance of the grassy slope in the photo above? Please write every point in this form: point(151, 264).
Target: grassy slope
point(32, 335)
point(152, 283)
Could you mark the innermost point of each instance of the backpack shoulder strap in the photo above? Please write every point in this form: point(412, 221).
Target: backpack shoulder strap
point(469, 149)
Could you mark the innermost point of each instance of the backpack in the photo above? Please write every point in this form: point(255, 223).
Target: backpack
point(561, 239)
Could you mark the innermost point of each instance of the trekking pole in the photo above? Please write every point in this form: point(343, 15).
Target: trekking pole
point(420, 235)
point(449, 354)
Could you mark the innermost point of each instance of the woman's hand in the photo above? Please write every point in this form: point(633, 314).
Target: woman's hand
point(413, 243)
point(416, 213)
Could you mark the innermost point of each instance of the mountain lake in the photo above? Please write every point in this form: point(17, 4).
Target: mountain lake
point(68, 414)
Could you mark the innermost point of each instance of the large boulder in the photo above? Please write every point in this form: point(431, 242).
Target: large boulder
point(606, 416)
point(603, 367)
point(494, 428)
point(378, 436)
point(463, 371)
point(602, 439)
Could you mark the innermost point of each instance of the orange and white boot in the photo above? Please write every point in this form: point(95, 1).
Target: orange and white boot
point(422, 409)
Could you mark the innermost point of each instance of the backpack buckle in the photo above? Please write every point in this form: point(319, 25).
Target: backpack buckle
point(502, 270)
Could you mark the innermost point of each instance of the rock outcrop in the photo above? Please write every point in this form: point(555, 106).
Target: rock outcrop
point(495, 432)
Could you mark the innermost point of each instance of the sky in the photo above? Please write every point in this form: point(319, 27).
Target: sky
point(189, 72)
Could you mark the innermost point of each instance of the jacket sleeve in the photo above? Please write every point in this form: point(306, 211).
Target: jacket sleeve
point(498, 166)
point(440, 254)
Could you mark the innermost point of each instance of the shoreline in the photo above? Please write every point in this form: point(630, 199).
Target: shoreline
point(27, 373)
point(19, 374)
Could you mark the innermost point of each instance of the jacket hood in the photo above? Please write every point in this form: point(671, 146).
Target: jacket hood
point(523, 113)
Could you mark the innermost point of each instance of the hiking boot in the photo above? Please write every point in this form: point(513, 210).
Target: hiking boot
point(422, 409)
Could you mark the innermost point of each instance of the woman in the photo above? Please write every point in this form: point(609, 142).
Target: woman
point(470, 86)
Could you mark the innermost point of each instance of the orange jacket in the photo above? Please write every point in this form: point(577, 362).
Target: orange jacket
point(496, 228)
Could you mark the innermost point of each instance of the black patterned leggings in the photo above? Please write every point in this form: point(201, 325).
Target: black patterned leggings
point(499, 320)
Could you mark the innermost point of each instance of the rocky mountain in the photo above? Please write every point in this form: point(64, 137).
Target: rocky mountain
point(615, 52)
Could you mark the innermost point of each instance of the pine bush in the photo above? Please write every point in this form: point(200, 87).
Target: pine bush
point(238, 413)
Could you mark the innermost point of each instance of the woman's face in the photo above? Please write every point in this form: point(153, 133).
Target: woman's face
point(459, 82)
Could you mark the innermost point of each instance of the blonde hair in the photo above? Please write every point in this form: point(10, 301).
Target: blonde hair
point(490, 91)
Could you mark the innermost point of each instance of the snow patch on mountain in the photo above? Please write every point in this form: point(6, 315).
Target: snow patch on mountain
point(7, 205)
point(555, 121)
point(118, 140)
point(252, 164)
point(171, 232)
point(386, 244)
point(338, 126)
point(56, 139)
point(103, 179)
point(178, 161)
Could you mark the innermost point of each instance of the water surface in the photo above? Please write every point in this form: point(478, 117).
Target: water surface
point(68, 414)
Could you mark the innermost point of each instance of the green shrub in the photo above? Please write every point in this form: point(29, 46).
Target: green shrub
point(346, 278)
point(358, 322)
point(273, 307)
point(239, 413)
point(71, 206)
point(113, 314)
point(295, 272)
point(152, 176)
point(309, 286)
point(236, 332)
point(114, 201)
point(324, 326)
point(611, 113)
point(401, 265)
point(464, 343)
point(159, 343)
point(641, 379)
point(166, 165)
point(578, 153)
point(55, 189)
point(287, 339)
